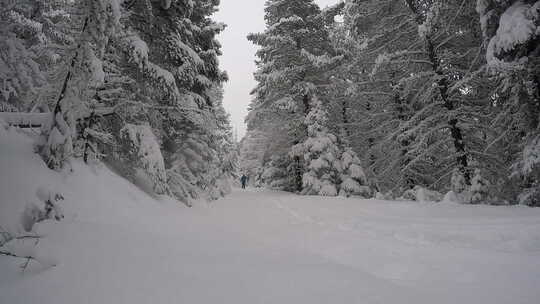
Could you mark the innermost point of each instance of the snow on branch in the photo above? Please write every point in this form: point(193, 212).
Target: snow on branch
point(518, 24)
point(294, 19)
point(138, 49)
point(36, 120)
point(321, 61)
point(29, 120)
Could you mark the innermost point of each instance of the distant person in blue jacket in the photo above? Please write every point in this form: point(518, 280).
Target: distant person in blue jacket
point(243, 180)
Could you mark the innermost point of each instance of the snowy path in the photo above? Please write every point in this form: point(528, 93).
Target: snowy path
point(271, 247)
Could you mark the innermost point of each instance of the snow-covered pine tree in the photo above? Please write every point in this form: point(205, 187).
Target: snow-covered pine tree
point(429, 105)
point(295, 47)
point(375, 102)
point(97, 22)
point(20, 73)
point(479, 188)
point(35, 38)
point(266, 147)
point(173, 53)
point(253, 148)
point(225, 147)
point(193, 49)
point(353, 178)
point(147, 167)
point(321, 154)
point(275, 174)
point(349, 109)
point(511, 33)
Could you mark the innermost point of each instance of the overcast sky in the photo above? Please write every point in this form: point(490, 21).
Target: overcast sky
point(242, 17)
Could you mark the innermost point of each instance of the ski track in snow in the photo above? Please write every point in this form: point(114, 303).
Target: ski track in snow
point(118, 245)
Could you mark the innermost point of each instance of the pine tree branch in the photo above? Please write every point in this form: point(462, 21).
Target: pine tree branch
point(9, 254)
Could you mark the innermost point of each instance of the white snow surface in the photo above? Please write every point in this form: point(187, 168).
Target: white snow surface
point(118, 245)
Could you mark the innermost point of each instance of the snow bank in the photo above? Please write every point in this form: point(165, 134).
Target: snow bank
point(22, 173)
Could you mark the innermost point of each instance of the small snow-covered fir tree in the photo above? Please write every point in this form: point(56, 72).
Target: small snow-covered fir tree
point(321, 154)
point(253, 148)
point(258, 178)
point(145, 156)
point(353, 178)
point(275, 174)
point(192, 171)
point(226, 156)
point(527, 168)
point(458, 184)
point(479, 188)
point(477, 192)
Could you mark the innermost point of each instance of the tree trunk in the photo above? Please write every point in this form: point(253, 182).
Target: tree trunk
point(298, 168)
point(455, 130)
point(344, 118)
point(408, 181)
point(53, 155)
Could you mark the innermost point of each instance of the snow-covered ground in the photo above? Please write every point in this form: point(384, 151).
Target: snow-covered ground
point(117, 245)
